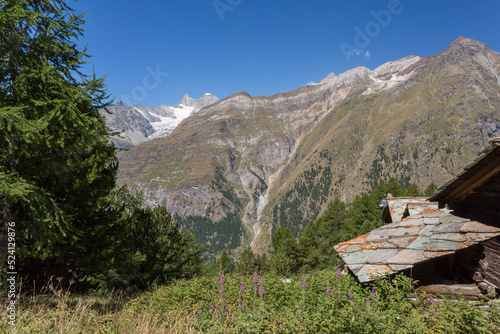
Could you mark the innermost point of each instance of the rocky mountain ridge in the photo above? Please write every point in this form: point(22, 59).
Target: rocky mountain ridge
point(246, 165)
point(139, 123)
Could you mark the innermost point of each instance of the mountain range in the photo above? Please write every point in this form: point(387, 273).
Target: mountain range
point(245, 165)
point(139, 123)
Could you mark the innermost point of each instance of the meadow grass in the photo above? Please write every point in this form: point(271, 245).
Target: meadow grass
point(323, 302)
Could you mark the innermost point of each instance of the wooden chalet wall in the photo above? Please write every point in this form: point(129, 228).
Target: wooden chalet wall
point(490, 264)
point(483, 205)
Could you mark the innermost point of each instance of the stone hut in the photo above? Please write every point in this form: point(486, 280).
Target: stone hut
point(450, 242)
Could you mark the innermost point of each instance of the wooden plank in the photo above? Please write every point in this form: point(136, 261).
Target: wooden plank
point(469, 291)
point(492, 256)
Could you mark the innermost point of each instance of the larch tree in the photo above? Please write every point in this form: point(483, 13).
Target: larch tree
point(57, 165)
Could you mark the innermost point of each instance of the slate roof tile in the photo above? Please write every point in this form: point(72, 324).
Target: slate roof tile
point(407, 256)
point(450, 237)
point(378, 235)
point(448, 227)
point(428, 230)
point(419, 243)
point(478, 227)
point(381, 256)
point(357, 257)
point(405, 231)
point(402, 242)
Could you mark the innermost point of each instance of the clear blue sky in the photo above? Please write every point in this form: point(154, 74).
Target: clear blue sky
point(264, 46)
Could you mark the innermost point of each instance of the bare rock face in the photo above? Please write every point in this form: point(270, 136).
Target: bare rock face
point(203, 101)
point(139, 123)
point(244, 165)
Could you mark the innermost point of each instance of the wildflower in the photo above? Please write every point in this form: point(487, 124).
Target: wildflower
point(328, 291)
point(296, 314)
point(351, 296)
point(211, 308)
point(303, 284)
point(339, 273)
point(243, 289)
point(367, 302)
point(255, 279)
point(221, 284)
point(261, 288)
point(199, 311)
point(432, 299)
point(217, 313)
point(374, 294)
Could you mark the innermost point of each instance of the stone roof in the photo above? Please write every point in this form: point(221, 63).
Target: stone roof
point(421, 233)
point(397, 205)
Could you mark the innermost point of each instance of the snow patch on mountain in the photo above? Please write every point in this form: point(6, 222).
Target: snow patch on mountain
point(140, 123)
point(383, 77)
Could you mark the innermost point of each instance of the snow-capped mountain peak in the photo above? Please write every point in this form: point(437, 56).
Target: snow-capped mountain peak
point(140, 123)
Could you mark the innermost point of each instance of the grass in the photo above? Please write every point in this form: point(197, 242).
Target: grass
point(324, 302)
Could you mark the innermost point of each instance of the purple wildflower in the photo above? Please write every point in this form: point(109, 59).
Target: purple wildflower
point(374, 294)
point(328, 291)
point(217, 313)
point(255, 279)
point(339, 273)
point(296, 314)
point(367, 302)
point(303, 284)
point(243, 289)
point(199, 311)
point(211, 308)
point(221, 284)
point(432, 299)
point(261, 288)
point(351, 296)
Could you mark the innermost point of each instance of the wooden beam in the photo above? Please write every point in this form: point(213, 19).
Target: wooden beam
point(469, 291)
point(475, 181)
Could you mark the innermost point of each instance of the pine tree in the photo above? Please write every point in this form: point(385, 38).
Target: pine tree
point(161, 252)
point(247, 263)
point(430, 190)
point(285, 257)
point(320, 236)
point(57, 165)
point(225, 263)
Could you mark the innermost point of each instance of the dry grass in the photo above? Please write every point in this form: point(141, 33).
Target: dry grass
point(55, 310)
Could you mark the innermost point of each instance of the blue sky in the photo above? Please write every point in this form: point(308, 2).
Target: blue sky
point(155, 51)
